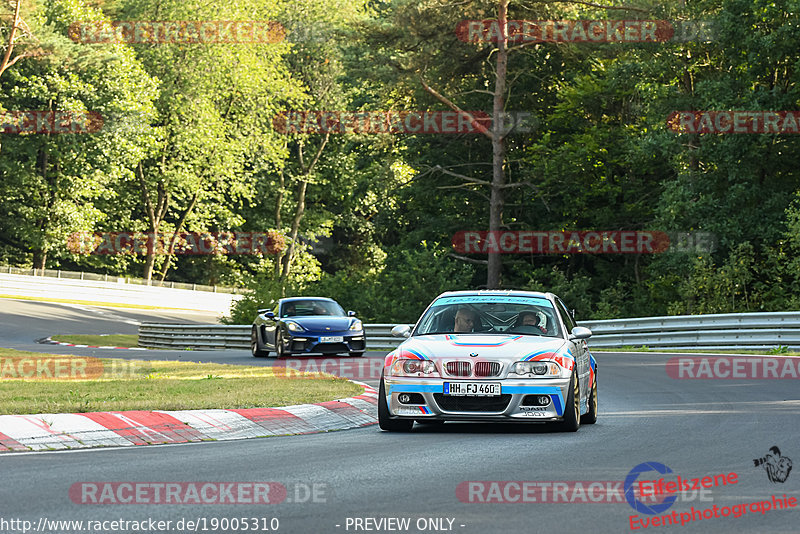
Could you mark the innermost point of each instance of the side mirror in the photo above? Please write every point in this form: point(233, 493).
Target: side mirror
point(580, 332)
point(269, 314)
point(401, 330)
point(351, 313)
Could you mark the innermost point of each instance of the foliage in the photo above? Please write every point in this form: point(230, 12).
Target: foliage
point(375, 216)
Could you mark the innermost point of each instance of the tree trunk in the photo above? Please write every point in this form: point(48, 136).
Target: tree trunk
point(51, 190)
point(497, 199)
point(39, 259)
point(278, 219)
point(155, 215)
point(298, 216)
point(5, 63)
point(178, 230)
point(149, 261)
point(286, 260)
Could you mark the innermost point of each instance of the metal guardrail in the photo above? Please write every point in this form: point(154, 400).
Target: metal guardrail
point(761, 331)
point(190, 336)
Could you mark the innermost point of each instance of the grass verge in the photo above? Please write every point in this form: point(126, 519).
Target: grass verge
point(110, 340)
point(32, 383)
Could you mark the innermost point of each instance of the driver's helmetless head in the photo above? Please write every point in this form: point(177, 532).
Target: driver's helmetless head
point(466, 320)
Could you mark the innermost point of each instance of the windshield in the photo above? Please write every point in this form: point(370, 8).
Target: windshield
point(297, 308)
point(490, 314)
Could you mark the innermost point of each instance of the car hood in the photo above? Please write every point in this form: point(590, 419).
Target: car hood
point(322, 323)
point(512, 347)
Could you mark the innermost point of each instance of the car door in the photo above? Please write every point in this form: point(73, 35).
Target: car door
point(270, 325)
point(581, 350)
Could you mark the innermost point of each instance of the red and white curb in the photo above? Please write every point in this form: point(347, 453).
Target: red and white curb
point(51, 341)
point(121, 429)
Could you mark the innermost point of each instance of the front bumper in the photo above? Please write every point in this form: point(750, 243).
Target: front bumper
point(307, 343)
point(512, 405)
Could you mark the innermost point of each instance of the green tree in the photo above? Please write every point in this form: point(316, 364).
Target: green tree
point(51, 181)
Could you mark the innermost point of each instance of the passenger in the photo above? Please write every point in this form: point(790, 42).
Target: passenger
point(530, 318)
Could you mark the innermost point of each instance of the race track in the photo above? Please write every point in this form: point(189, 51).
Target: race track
point(697, 428)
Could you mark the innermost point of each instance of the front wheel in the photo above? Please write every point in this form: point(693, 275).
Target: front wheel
point(384, 421)
point(279, 353)
point(590, 417)
point(572, 407)
point(255, 346)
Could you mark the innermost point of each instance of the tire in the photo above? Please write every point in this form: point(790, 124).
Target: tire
point(255, 346)
point(279, 345)
point(590, 417)
point(357, 354)
point(572, 407)
point(390, 425)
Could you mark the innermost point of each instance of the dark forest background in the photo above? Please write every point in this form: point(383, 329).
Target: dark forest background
point(188, 145)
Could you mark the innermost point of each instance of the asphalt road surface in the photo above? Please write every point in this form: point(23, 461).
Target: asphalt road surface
point(435, 478)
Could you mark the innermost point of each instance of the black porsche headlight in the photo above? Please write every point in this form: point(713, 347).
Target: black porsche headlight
point(294, 327)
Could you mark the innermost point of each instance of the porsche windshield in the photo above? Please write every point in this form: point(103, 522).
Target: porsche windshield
point(298, 308)
point(490, 315)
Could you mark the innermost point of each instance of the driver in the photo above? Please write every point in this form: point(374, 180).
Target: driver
point(530, 318)
point(465, 321)
point(289, 310)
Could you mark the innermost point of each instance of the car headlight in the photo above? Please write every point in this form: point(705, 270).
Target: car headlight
point(534, 369)
point(294, 327)
point(413, 368)
point(357, 325)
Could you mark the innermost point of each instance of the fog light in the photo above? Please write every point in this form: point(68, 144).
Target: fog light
point(543, 400)
point(410, 398)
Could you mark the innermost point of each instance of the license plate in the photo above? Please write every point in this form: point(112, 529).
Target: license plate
point(331, 339)
point(472, 389)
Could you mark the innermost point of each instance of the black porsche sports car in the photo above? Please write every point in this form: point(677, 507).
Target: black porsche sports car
point(304, 325)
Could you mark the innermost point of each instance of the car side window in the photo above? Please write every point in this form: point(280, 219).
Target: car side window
point(565, 316)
